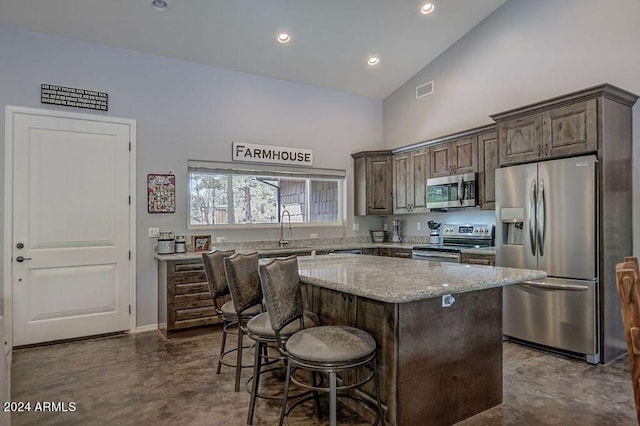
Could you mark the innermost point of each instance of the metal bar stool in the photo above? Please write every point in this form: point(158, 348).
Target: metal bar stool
point(217, 280)
point(325, 349)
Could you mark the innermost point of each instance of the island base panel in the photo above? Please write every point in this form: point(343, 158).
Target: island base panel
point(449, 359)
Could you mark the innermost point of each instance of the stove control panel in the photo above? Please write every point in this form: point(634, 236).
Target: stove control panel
point(475, 231)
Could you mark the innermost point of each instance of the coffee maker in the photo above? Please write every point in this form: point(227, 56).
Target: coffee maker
point(396, 231)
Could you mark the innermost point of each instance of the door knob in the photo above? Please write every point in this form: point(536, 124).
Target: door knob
point(19, 245)
point(22, 259)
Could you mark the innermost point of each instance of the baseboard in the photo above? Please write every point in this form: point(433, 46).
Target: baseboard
point(145, 328)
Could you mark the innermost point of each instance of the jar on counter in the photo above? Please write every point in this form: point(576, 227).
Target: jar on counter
point(181, 244)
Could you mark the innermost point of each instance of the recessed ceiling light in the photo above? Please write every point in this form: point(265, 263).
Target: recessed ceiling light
point(427, 8)
point(374, 60)
point(159, 5)
point(283, 38)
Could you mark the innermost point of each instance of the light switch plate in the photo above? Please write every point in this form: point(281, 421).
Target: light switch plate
point(356, 226)
point(419, 226)
point(313, 235)
point(154, 232)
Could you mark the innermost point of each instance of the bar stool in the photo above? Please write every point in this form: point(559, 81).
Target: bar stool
point(217, 280)
point(244, 282)
point(323, 349)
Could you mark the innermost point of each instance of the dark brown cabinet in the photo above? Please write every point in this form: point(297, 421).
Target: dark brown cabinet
point(557, 132)
point(479, 259)
point(184, 300)
point(459, 156)
point(487, 165)
point(410, 173)
point(373, 180)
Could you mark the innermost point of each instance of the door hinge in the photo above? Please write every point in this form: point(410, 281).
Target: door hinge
point(129, 145)
point(129, 199)
point(129, 254)
point(129, 309)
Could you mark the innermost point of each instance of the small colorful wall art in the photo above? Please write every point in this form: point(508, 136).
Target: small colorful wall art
point(161, 193)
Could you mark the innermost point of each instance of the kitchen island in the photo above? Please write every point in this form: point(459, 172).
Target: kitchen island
point(437, 365)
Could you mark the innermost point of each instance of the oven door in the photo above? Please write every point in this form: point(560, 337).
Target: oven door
point(436, 256)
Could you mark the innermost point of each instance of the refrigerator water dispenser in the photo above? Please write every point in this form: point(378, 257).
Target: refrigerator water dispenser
point(512, 222)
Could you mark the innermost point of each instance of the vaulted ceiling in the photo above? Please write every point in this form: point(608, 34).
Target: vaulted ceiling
point(331, 40)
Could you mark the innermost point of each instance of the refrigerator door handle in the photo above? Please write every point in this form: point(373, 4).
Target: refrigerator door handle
point(532, 215)
point(541, 225)
point(573, 287)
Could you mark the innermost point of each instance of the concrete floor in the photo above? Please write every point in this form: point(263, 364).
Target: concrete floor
point(142, 379)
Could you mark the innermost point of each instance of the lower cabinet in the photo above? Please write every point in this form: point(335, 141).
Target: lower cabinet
point(184, 300)
point(388, 252)
point(479, 259)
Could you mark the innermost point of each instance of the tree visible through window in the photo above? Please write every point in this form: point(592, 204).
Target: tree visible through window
point(218, 198)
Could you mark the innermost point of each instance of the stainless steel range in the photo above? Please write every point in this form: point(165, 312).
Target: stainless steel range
point(454, 239)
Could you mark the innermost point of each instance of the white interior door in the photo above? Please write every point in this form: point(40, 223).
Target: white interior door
point(71, 220)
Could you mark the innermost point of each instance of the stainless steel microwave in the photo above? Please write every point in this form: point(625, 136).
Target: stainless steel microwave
point(452, 191)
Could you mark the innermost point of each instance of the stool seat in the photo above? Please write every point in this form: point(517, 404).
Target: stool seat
point(229, 311)
point(260, 326)
point(330, 344)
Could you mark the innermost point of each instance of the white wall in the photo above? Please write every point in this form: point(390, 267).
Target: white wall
point(524, 52)
point(190, 111)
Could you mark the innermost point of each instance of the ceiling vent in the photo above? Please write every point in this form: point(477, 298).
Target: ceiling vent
point(424, 90)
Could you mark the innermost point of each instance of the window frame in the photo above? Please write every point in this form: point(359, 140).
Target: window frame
point(262, 170)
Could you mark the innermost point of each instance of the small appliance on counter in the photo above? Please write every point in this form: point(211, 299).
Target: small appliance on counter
point(434, 234)
point(181, 244)
point(166, 243)
point(397, 231)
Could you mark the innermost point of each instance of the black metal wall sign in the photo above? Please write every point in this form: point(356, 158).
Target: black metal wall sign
point(72, 97)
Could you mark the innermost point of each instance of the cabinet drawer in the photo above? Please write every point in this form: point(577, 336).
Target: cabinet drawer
point(202, 299)
point(195, 322)
point(193, 313)
point(192, 288)
point(402, 253)
point(182, 267)
point(189, 277)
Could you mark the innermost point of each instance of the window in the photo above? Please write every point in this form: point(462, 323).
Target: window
point(224, 194)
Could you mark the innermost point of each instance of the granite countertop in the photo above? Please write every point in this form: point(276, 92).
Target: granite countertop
point(284, 251)
point(397, 280)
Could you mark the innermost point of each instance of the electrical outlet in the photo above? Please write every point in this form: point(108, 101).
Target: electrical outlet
point(356, 226)
point(154, 232)
point(221, 239)
point(313, 235)
point(385, 227)
point(419, 226)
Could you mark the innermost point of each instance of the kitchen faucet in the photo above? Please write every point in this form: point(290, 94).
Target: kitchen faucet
point(282, 242)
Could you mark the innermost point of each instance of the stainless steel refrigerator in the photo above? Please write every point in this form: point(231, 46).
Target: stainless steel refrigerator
point(546, 218)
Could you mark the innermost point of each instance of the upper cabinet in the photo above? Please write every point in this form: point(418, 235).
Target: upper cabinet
point(561, 130)
point(487, 165)
point(410, 173)
point(455, 157)
point(372, 183)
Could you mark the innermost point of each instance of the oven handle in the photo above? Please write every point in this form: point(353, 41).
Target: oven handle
point(439, 255)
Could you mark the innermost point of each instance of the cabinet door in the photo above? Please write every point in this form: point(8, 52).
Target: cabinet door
point(571, 129)
point(520, 140)
point(440, 160)
point(402, 188)
point(419, 174)
point(379, 185)
point(464, 158)
point(487, 165)
point(360, 186)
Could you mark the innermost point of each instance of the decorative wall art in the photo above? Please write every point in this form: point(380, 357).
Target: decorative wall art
point(74, 97)
point(161, 193)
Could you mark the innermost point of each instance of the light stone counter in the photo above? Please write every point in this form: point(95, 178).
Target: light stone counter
point(396, 280)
